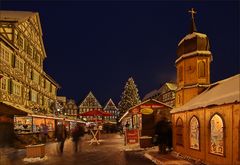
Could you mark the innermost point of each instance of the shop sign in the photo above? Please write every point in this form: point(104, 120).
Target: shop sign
point(132, 136)
point(147, 111)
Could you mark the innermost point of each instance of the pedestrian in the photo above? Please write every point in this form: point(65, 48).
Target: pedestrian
point(41, 133)
point(45, 132)
point(61, 135)
point(163, 132)
point(77, 133)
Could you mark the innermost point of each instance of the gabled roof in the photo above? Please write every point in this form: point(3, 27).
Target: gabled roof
point(222, 92)
point(169, 85)
point(149, 101)
point(90, 101)
point(150, 94)
point(16, 16)
point(72, 103)
point(20, 16)
point(110, 105)
point(51, 80)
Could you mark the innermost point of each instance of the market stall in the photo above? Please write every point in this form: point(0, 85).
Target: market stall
point(140, 122)
point(30, 127)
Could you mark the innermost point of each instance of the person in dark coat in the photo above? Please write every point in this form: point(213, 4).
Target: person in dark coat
point(164, 133)
point(61, 135)
point(77, 133)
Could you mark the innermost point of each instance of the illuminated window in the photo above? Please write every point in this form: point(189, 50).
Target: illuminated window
point(217, 135)
point(194, 133)
point(48, 85)
point(201, 69)
point(5, 54)
point(45, 101)
point(3, 84)
point(34, 96)
point(54, 90)
point(35, 76)
point(179, 132)
point(19, 64)
point(16, 88)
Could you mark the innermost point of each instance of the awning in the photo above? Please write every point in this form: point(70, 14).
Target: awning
point(13, 109)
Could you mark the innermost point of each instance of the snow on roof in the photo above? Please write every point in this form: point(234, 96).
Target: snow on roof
point(15, 15)
point(219, 93)
point(148, 100)
point(150, 94)
point(172, 86)
point(197, 52)
point(192, 35)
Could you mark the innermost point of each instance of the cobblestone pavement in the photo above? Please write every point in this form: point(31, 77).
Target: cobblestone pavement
point(109, 152)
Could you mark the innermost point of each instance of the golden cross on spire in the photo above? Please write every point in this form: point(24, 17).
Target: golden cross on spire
point(192, 12)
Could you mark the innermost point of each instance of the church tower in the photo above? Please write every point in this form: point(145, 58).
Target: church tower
point(193, 64)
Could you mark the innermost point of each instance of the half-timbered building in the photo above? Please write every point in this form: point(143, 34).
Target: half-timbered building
point(111, 108)
point(88, 104)
point(25, 88)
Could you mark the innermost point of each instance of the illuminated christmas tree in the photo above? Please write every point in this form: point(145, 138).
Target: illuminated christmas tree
point(129, 98)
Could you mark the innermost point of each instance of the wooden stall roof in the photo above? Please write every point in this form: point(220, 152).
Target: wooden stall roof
point(152, 102)
point(13, 109)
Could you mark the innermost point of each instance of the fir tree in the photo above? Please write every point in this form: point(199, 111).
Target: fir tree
point(129, 98)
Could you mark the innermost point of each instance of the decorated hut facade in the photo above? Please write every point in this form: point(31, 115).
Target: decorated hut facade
point(144, 118)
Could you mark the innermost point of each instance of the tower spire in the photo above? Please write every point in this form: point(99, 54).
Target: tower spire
point(193, 27)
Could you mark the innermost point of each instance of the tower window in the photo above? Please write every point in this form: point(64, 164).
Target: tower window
point(201, 69)
point(179, 99)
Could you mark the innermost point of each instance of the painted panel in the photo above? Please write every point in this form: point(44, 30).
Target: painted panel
point(216, 136)
point(194, 133)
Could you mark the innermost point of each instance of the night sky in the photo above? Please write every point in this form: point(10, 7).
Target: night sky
point(96, 46)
